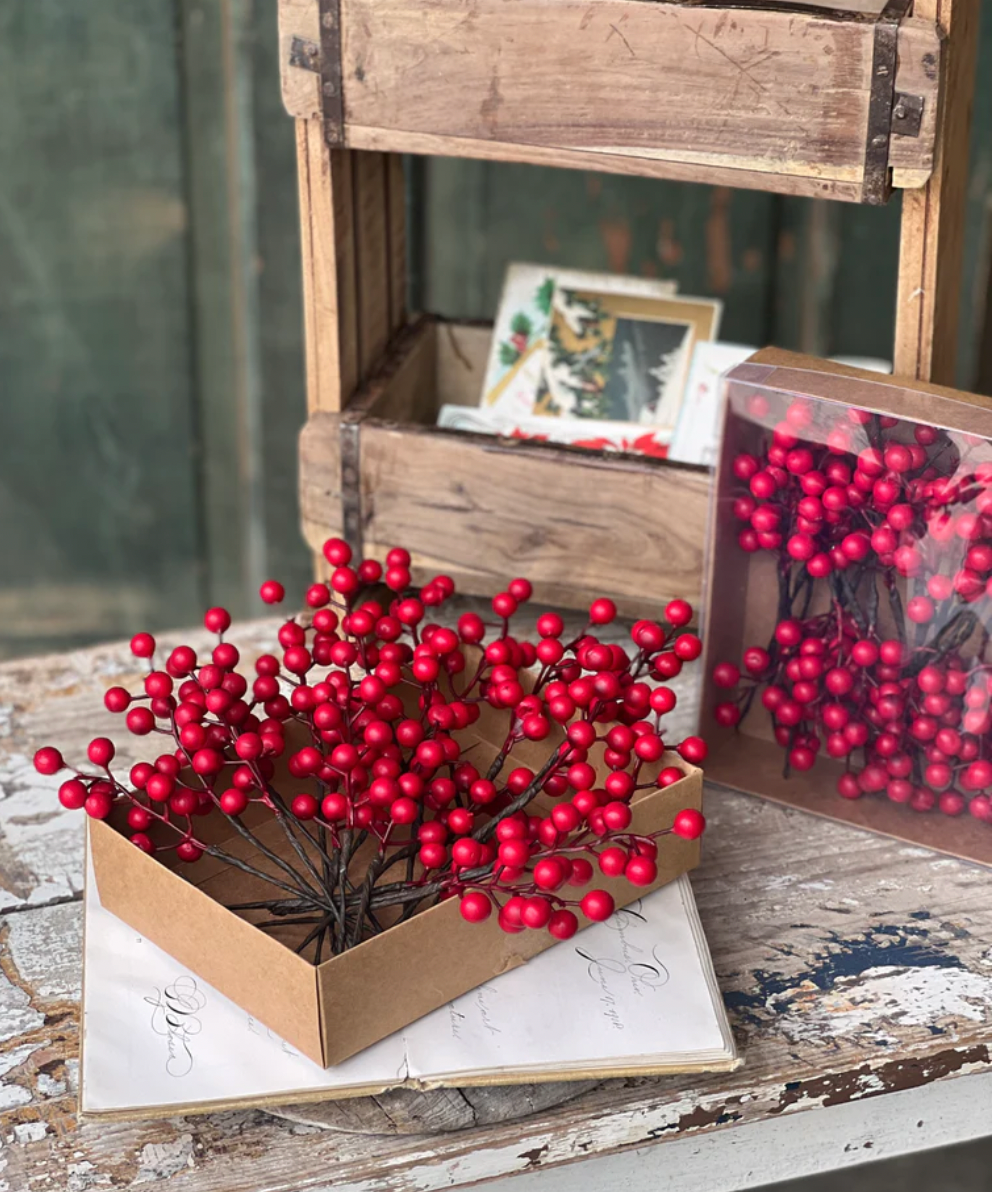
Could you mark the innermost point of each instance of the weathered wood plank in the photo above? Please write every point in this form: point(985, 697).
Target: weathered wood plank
point(480, 508)
point(665, 83)
point(373, 269)
point(330, 295)
point(932, 244)
point(851, 967)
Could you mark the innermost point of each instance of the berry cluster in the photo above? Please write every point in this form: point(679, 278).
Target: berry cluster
point(881, 532)
point(371, 705)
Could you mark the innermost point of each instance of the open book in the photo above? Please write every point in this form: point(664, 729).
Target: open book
point(635, 995)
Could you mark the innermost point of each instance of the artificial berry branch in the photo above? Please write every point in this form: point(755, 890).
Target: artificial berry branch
point(369, 711)
point(881, 532)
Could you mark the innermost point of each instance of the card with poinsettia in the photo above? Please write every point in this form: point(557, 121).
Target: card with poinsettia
point(534, 312)
point(578, 432)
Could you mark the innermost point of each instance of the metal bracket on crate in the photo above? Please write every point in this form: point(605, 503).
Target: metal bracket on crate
point(331, 89)
point(888, 113)
point(324, 59)
point(351, 480)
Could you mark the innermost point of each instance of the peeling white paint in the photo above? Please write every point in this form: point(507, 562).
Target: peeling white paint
point(14, 1094)
point(17, 1016)
point(865, 1009)
point(46, 948)
point(30, 1131)
point(160, 1160)
point(45, 838)
point(48, 1086)
point(84, 1176)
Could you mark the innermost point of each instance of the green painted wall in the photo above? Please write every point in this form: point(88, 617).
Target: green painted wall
point(151, 359)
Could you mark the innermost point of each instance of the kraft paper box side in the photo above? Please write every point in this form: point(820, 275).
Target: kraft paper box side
point(257, 972)
point(395, 978)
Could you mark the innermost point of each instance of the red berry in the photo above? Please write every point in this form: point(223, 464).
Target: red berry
point(617, 816)
point(116, 699)
point(304, 806)
point(233, 802)
point(678, 613)
point(142, 645)
point(612, 861)
point(48, 761)
point(688, 647)
point(597, 905)
point(100, 751)
point(72, 794)
point(140, 721)
point(641, 871)
point(504, 605)
point(475, 907)
point(337, 552)
point(563, 925)
point(689, 824)
point(99, 804)
point(272, 592)
point(217, 620)
point(549, 874)
point(693, 750)
point(602, 611)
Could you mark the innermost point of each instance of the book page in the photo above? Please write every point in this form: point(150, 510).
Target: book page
point(156, 1035)
point(618, 995)
point(621, 993)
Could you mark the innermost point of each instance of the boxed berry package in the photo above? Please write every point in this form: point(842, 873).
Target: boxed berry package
point(388, 811)
point(849, 600)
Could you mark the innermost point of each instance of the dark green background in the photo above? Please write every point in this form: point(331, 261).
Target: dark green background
point(151, 358)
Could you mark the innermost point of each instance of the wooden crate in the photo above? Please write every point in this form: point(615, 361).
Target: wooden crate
point(801, 99)
point(794, 101)
point(578, 524)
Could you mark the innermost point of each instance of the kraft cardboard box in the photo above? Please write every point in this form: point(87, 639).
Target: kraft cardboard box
point(332, 1010)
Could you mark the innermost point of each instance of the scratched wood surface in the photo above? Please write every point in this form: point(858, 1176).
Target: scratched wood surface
point(655, 83)
point(851, 967)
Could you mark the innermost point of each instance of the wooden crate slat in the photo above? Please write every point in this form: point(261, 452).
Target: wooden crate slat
point(659, 88)
point(396, 231)
point(327, 238)
point(932, 239)
point(372, 264)
point(577, 524)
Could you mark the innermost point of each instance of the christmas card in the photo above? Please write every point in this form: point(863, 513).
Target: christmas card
point(571, 345)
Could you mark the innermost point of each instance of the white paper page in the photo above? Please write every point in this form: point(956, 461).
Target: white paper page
point(156, 1036)
point(634, 986)
point(698, 428)
point(153, 1034)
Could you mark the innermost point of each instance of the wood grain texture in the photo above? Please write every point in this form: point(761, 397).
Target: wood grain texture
point(373, 270)
point(396, 231)
point(852, 967)
point(328, 245)
point(432, 145)
point(711, 89)
point(480, 508)
point(932, 241)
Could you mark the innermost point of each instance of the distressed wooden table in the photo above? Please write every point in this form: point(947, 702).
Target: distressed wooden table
point(857, 972)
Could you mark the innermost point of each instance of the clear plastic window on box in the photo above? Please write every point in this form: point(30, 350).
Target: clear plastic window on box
point(849, 602)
